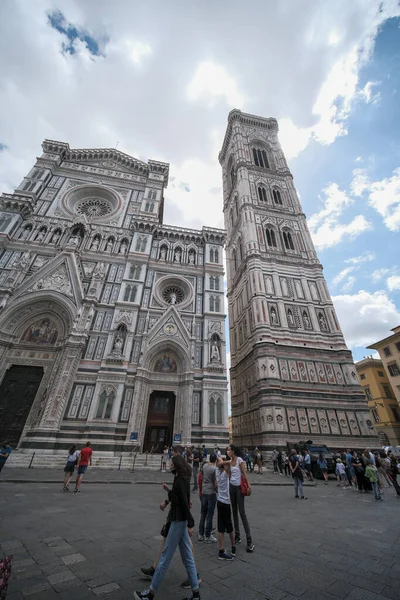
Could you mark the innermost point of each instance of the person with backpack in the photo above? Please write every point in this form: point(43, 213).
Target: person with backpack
point(297, 474)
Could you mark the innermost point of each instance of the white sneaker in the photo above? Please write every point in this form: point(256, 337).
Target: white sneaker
point(200, 538)
point(210, 539)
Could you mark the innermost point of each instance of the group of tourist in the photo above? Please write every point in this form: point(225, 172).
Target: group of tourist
point(222, 484)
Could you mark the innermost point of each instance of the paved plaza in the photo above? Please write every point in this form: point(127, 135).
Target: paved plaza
point(336, 544)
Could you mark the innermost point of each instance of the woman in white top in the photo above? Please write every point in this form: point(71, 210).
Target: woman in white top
point(238, 470)
point(72, 459)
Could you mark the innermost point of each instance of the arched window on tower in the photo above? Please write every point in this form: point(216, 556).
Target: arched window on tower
point(271, 237)
point(149, 207)
point(211, 283)
point(212, 411)
point(288, 240)
point(260, 158)
point(216, 283)
point(219, 412)
point(277, 197)
point(212, 304)
point(217, 304)
point(262, 193)
point(214, 255)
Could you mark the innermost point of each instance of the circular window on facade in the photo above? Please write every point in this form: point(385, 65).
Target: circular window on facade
point(173, 294)
point(95, 202)
point(94, 207)
point(173, 291)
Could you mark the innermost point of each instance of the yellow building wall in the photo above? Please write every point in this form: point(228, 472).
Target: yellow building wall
point(373, 378)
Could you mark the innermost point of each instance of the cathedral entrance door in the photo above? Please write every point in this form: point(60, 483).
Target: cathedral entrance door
point(160, 421)
point(17, 393)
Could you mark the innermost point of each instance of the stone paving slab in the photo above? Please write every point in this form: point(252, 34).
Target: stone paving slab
point(337, 544)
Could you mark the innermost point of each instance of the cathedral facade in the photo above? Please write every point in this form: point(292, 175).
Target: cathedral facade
point(292, 376)
point(112, 324)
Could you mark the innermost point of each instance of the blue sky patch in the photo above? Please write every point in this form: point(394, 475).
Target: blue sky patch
point(58, 22)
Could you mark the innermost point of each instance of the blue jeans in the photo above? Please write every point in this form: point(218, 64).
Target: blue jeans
point(298, 486)
point(208, 502)
point(377, 491)
point(195, 477)
point(177, 536)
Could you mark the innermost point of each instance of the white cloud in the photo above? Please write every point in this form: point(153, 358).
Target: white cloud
point(393, 282)
point(212, 81)
point(164, 80)
point(367, 95)
point(364, 257)
point(365, 317)
point(342, 275)
point(325, 226)
point(379, 274)
point(383, 195)
point(348, 286)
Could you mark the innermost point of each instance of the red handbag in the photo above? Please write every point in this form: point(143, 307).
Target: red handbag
point(244, 486)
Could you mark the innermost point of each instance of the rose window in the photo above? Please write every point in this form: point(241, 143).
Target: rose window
point(173, 295)
point(94, 207)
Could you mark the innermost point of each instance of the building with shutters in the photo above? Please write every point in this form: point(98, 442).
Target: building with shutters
point(111, 323)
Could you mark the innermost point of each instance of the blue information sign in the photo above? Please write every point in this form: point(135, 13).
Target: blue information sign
point(177, 438)
point(134, 436)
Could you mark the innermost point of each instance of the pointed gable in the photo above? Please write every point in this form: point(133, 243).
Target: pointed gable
point(169, 327)
point(59, 275)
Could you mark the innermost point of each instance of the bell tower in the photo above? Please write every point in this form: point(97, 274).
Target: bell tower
point(292, 376)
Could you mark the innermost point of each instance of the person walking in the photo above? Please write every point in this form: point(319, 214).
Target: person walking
point(224, 522)
point(195, 466)
point(341, 473)
point(180, 531)
point(286, 464)
point(84, 459)
point(393, 472)
point(297, 474)
point(280, 461)
point(5, 452)
point(164, 460)
point(69, 469)
point(208, 499)
point(307, 465)
point(274, 457)
point(247, 459)
point(358, 465)
point(238, 471)
point(350, 464)
point(323, 465)
point(371, 472)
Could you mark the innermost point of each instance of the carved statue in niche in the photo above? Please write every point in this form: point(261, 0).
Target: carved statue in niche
point(173, 298)
point(25, 233)
point(118, 344)
point(89, 318)
point(55, 237)
point(23, 261)
point(215, 355)
point(177, 256)
point(191, 258)
point(322, 322)
point(306, 320)
point(40, 235)
point(75, 239)
point(274, 317)
point(123, 247)
point(290, 318)
point(95, 244)
point(100, 271)
point(163, 254)
point(109, 246)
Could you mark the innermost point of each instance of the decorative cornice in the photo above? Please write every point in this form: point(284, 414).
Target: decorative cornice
point(245, 119)
point(18, 203)
point(136, 166)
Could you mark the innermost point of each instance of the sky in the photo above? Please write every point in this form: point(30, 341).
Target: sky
point(159, 78)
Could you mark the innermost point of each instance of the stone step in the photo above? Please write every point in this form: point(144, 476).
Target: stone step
point(57, 461)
